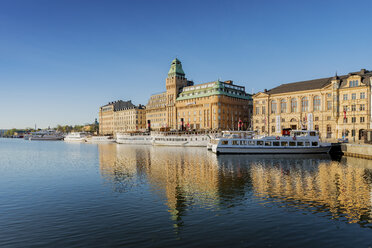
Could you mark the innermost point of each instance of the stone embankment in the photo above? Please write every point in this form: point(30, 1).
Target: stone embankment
point(357, 150)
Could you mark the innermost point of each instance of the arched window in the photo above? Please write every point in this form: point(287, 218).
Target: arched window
point(316, 103)
point(293, 105)
point(273, 107)
point(305, 104)
point(283, 106)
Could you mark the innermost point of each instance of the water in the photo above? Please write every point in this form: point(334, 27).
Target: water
point(57, 194)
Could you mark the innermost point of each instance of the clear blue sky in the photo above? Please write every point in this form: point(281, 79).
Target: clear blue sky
point(61, 60)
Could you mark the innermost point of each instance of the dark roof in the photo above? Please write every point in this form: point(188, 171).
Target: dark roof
point(120, 104)
point(316, 83)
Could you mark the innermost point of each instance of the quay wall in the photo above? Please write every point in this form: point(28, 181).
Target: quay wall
point(357, 150)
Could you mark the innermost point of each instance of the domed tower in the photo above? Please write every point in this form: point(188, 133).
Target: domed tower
point(174, 83)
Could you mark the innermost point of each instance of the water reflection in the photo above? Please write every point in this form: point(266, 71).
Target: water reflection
point(195, 177)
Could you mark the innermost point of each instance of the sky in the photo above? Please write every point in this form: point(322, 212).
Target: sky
point(61, 60)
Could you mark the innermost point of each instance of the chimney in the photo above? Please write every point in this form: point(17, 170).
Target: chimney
point(265, 90)
point(363, 71)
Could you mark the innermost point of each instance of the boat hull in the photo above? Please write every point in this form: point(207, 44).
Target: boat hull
point(263, 150)
point(45, 138)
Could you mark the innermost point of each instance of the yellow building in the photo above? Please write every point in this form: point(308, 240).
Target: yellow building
point(338, 107)
point(210, 106)
point(121, 116)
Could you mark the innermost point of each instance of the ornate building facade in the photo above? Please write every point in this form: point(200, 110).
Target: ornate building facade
point(210, 106)
point(338, 107)
point(121, 116)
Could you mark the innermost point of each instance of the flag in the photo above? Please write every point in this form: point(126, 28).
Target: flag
point(344, 114)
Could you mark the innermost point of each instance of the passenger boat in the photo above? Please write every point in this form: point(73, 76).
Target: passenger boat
point(180, 138)
point(44, 135)
point(297, 142)
point(76, 137)
point(135, 138)
point(100, 139)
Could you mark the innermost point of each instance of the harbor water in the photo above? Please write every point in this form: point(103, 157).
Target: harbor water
point(59, 194)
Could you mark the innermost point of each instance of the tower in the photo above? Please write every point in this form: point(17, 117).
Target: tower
point(174, 83)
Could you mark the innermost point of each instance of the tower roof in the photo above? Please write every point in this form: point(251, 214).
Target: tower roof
point(176, 69)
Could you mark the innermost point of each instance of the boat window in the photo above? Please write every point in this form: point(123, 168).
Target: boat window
point(251, 142)
point(225, 142)
point(284, 143)
point(235, 142)
point(260, 143)
point(300, 143)
point(243, 142)
point(267, 143)
point(312, 134)
point(292, 143)
point(276, 143)
point(314, 143)
point(307, 143)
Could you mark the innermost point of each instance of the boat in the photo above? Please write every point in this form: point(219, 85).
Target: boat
point(44, 135)
point(100, 139)
point(180, 138)
point(135, 138)
point(76, 136)
point(296, 142)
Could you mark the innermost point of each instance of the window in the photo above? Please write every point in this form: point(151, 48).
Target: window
point(263, 110)
point(273, 129)
point(345, 97)
point(362, 95)
point(353, 96)
point(329, 118)
point(316, 127)
point(345, 120)
point(273, 107)
point(292, 143)
point(235, 142)
point(283, 106)
point(329, 105)
point(300, 143)
point(353, 107)
point(353, 133)
point(257, 110)
point(353, 119)
point(329, 95)
point(263, 129)
point(305, 104)
point(267, 143)
point(260, 143)
point(225, 142)
point(345, 108)
point(316, 118)
point(316, 103)
point(276, 143)
point(361, 119)
point(353, 83)
point(284, 143)
point(314, 143)
point(293, 105)
point(362, 107)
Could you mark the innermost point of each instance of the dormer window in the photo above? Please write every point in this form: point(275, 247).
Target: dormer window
point(353, 83)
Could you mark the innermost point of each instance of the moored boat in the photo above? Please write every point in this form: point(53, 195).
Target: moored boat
point(76, 136)
point(100, 139)
point(194, 139)
point(297, 142)
point(135, 138)
point(44, 135)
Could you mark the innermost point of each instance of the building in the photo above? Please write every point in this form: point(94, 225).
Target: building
point(121, 116)
point(210, 106)
point(338, 107)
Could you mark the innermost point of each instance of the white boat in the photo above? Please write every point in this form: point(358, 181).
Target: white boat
point(134, 138)
point(100, 139)
point(245, 134)
point(76, 136)
point(297, 142)
point(44, 135)
point(194, 139)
